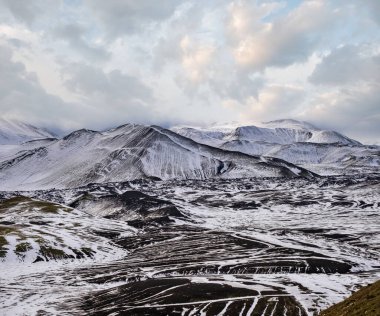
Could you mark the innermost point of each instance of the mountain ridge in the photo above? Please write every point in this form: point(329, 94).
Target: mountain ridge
point(279, 132)
point(321, 151)
point(16, 132)
point(129, 152)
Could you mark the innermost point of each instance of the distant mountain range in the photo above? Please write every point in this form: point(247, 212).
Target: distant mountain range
point(284, 148)
point(275, 132)
point(322, 151)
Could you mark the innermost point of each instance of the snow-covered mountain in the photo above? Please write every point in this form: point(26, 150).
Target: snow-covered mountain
point(301, 143)
point(126, 153)
point(16, 132)
point(274, 132)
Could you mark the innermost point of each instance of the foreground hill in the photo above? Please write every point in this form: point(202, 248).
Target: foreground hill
point(324, 152)
point(126, 153)
point(33, 230)
point(366, 301)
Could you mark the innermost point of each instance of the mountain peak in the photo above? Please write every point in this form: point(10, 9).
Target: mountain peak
point(290, 123)
point(16, 132)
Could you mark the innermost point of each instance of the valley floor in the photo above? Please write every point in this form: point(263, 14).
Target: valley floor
point(216, 247)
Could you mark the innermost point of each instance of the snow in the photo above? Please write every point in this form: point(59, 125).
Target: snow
point(265, 223)
point(125, 153)
point(323, 152)
point(275, 132)
point(39, 228)
point(291, 124)
point(345, 206)
point(16, 132)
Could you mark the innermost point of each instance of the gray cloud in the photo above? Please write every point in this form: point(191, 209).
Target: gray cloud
point(24, 11)
point(75, 36)
point(354, 111)
point(17, 43)
point(28, 11)
point(22, 96)
point(347, 65)
point(373, 7)
point(107, 98)
point(112, 96)
point(128, 16)
point(113, 86)
point(350, 103)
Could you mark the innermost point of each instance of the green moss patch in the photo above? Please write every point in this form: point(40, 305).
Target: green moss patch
point(53, 253)
point(23, 247)
point(12, 202)
point(5, 230)
point(30, 204)
point(88, 252)
point(3, 250)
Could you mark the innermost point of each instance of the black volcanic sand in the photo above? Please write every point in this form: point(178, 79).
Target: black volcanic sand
point(176, 257)
point(188, 250)
point(145, 210)
point(168, 296)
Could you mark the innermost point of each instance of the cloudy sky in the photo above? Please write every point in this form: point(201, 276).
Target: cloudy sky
point(69, 64)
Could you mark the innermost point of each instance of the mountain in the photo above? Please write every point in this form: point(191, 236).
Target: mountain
point(126, 153)
point(274, 132)
point(16, 132)
point(301, 143)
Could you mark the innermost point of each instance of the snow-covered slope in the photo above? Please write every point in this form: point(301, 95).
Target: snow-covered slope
point(324, 152)
point(33, 230)
point(290, 124)
point(126, 153)
point(15, 132)
point(274, 132)
point(324, 159)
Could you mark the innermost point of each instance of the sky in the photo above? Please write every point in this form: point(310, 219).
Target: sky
point(69, 64)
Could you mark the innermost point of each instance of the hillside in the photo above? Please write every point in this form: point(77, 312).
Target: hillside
point(366, 301)
point(16, 132)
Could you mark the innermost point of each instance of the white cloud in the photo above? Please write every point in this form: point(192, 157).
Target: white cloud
point(257, 44)
point(195, 58)
point(274, 102)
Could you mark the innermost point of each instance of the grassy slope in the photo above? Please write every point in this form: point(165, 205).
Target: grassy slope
point(365, 302)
